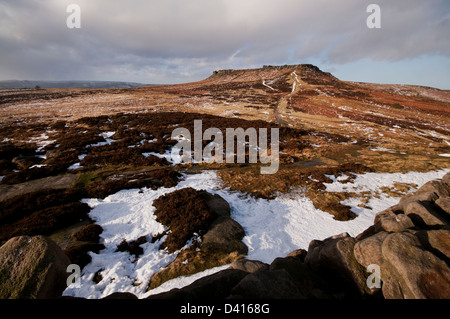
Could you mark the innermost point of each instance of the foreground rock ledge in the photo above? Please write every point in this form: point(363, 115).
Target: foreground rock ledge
point(409, 242)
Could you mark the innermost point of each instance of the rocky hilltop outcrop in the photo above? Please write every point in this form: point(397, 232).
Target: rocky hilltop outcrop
point(310, 72)
point(404, 255)
point(303, 67)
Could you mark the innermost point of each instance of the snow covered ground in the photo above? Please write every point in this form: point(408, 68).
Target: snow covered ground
point(273, 228)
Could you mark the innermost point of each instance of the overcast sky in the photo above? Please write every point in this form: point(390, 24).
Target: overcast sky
point(176, 41)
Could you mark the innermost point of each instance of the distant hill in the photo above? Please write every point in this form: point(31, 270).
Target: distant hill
point(25, 84)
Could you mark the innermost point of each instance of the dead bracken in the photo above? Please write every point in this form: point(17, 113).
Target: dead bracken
point(185, 213)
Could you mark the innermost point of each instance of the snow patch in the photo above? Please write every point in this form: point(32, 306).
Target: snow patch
point(294, 85)
point(141, 142)
point(42, 141)
point(38, 165)
point(264, 83)
point(74, 166)
point(106, 136)
point(77, 165)
point(373, 181)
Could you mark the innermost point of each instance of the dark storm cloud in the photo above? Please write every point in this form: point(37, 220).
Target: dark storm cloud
point(175, 41)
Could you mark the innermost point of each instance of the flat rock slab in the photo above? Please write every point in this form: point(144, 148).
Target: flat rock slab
point(52, 182)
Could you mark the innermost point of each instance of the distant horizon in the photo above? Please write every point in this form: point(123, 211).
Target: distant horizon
point(69, 84)
point(196, 80)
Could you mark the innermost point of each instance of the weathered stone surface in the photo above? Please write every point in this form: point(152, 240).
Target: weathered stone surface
point(440, 240)
point(53, 182)
point(226, 235)
point(121, 295)
point(368, 250)
point(423, 215)
point(309, 283)
point(446, 179)
point(65, 237)
point(416, 197)
point(32, 268)
point(249, 265)
point(290, 264)
point(444, 204)
point(388, 221)
point(441, 189)
point(267, 284)
point(219, 205)
point(366, 233)
point(215, 286)
point(298, 253)
point(410, 271)
point(437, 242)
point(334, 259)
